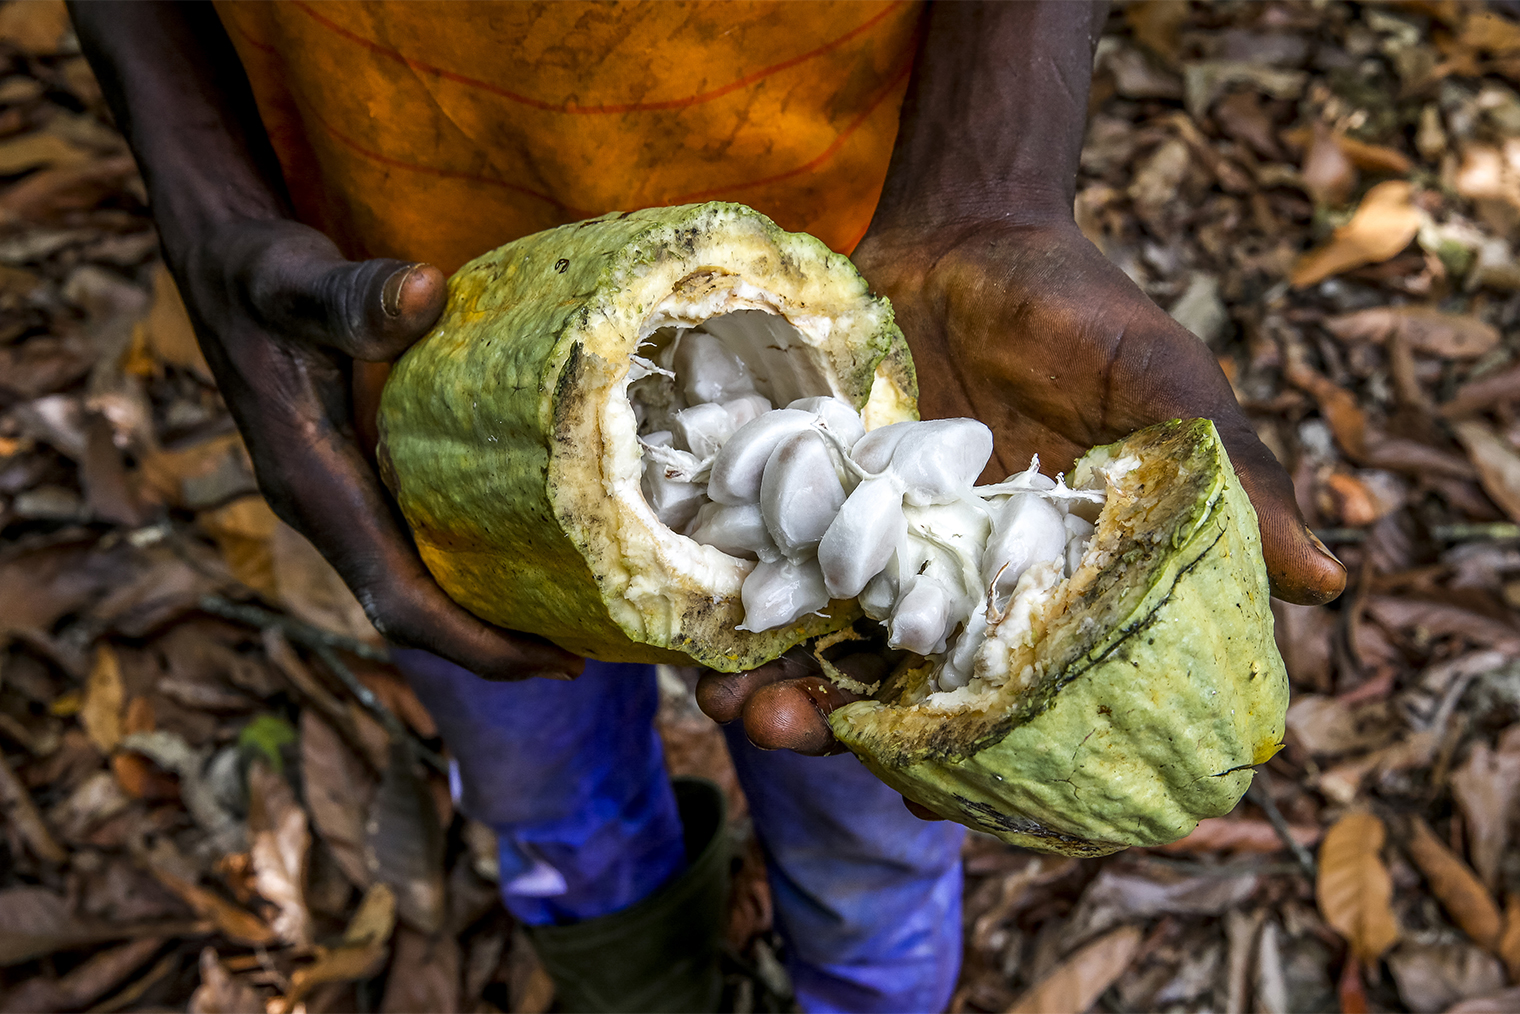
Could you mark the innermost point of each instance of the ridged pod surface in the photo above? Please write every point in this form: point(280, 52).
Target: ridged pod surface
point(1149, 689)
point(510, 445)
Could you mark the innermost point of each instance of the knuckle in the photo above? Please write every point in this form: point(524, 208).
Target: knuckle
point(392, 615)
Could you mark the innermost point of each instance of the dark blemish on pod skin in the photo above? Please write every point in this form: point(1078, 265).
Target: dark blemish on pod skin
point(561, 265)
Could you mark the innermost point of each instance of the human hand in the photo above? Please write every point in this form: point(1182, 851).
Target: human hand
point(1013, 317)
point(1030, 329)
point(281, 315)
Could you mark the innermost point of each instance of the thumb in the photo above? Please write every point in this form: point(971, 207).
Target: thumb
point(1299, 567)
point(302, 288)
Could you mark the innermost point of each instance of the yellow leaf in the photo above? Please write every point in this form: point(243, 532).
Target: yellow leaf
point(1156, 24)
point(1455, 886)
point(1076, 983)
point(169, 332)
point(1383, 226)
point(104, 698)
point(375, 919)
point(242, 530)
point(36, 150)
point(1354, 889)
point(37, 27)
point(1490, 32)
point(67, 705)
point(361, 954)
point(1509, 940)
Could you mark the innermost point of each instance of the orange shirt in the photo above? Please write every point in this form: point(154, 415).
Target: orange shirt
point(437, 131)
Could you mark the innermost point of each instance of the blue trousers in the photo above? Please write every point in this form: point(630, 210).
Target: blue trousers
point(571, 776)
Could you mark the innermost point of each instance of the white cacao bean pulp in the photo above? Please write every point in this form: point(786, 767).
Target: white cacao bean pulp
point(742, 458)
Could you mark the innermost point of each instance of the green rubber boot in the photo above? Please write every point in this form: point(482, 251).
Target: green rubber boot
point(660, 955)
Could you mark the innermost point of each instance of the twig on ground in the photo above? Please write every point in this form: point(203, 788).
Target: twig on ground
point(1259, 795)
point(303, 633)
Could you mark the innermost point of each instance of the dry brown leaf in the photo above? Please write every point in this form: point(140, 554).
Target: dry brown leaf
point(1433, 976)
point(1375, 158)
point(31, 151)
point(1497, 462)
point(242, 530)
point(168, 331)
point(1455, 886)
point(1490, 32)
point(1426, 329)
point(1505, 1001)
point(404, 842)
point(39, 922)
point(82, 985)
point(432, 982)
point(21, 812)
point(1486, 391)
point(204, 474)
point(1486, 787)
point(237, 924)
point(1440, 619)
point(1489, 173)
point(1239, 834)
point(1384, 224)
point(1328, 174)
point(280, 847)
point(104, 698)
point(338, 791)
point(1354, 503)
point(1353, 888)
point(1157, 25)
point(1327, 726)
point(49, 194)
point(396, 694)
point(1339, 406)
point(1077, 982)
point(220, 993)
point(312, 590)
point(38, 27)
point(1349, 990)
point(1509, 939)
point(361, 955)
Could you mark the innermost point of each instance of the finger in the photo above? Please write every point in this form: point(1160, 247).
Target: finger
point(1300, 568)
point(920, 811)
point(793, 715)
point(302, 288)
point(1180, 378)
point(317, 480)
point(721, 696)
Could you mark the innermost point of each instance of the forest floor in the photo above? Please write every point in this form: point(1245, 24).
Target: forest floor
point(214, 787)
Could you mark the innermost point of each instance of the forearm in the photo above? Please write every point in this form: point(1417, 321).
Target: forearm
point(179, 94)
point(993, 121)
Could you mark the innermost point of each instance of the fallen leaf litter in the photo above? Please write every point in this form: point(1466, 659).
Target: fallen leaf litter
point(1328, 194)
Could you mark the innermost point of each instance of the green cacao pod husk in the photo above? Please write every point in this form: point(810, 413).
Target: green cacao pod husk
point(1146, 690)
point(509, 443)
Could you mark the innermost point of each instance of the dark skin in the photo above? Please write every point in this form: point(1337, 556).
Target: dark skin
point(1013, 317)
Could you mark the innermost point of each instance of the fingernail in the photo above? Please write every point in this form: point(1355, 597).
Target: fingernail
point(390, 296)
point(1324, 549)
point(553, 674)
